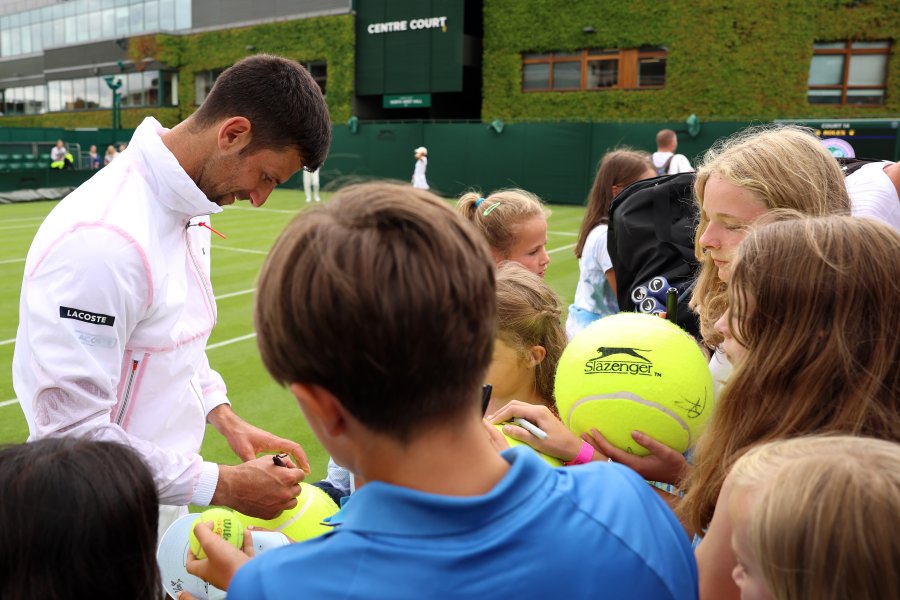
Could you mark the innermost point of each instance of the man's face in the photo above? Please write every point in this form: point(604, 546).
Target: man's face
point(225, 178)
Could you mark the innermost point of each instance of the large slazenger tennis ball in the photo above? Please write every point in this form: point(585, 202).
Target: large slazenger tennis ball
point(304, 521)
point(634, 371)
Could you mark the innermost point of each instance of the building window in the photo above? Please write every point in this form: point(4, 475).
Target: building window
point(595, 69)
point(92, 93)
point(76, 22)
point(848, 73)
point(319, 71)
point(203, 82)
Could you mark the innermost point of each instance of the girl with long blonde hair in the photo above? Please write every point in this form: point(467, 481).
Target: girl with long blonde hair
point(740, 179)
point(813, 333)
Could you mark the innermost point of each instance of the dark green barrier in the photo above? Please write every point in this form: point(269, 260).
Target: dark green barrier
point(556, 161)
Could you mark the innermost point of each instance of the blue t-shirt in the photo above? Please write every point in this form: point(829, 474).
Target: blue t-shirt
point(592, 531)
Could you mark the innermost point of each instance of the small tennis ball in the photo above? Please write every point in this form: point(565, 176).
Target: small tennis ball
point(554, 462)
point(304, 521)
point(631, 372)
point(226, 524)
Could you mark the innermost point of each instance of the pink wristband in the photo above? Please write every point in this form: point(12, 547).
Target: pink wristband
point(584, 455)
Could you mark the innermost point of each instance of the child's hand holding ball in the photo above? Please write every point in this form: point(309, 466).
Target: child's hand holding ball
point(218, 547)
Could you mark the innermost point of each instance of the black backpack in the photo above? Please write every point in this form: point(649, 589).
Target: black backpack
point(851, 165)
point(651, 235)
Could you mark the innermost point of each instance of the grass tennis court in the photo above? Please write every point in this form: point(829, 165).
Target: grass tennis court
point(232, 347)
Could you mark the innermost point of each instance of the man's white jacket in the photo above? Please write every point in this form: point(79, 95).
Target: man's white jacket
point(115, 312)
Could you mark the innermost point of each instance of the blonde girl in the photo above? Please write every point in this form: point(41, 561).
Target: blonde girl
point(514, 223)
point(595, 295)
point(530, 339)
point(814, 336)
point(740, 179)
point(816, 518)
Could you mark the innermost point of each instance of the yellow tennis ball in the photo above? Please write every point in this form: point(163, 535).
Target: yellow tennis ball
point(226, 524)
point(554, 462)
point(634, 371)
point(304, 521)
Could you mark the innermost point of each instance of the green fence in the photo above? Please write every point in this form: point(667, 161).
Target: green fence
point(557, 161)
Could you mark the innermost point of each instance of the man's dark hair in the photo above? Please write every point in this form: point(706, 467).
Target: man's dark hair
point(385, 297)
point(79, 520)
point(282, 101)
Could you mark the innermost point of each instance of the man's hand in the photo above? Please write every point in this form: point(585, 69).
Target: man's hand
point(222, 559)
point(258, 487)
point(248, 441)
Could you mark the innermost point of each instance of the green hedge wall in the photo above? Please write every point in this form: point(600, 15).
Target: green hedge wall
point(727, 60)
point(329, 38)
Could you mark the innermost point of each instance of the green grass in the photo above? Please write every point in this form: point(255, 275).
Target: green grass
point(236, 263)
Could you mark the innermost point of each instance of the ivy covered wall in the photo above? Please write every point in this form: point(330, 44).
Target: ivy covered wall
point(727, 60)
point(330, 38)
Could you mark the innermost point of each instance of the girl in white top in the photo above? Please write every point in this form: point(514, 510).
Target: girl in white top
point(595, 295)
point(418, 178)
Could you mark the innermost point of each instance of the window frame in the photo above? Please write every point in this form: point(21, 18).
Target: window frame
point(627, 63)
point(848, 52)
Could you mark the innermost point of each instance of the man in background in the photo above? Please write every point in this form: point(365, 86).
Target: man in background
point(665, 161)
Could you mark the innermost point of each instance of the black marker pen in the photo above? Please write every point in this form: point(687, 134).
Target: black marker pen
point(672, 304)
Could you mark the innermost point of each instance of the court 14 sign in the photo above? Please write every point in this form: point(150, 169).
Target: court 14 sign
point(407, 101)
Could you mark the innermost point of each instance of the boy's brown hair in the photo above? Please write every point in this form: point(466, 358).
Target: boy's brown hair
point(386, 298)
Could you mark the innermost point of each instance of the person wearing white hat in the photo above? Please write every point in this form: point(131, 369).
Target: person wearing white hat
point(418, 178)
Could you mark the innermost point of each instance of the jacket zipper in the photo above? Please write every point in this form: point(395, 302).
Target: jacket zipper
point(129, 388)
point(206, 291)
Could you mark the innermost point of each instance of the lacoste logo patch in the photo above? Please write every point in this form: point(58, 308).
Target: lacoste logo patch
point(66, 312)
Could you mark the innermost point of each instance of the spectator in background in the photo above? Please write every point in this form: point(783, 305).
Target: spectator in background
point(122, 147)
point(418, 178)
point(110, 154)
point(93, 158)
point(665, 161)
point(311, 183)
point(60, 157)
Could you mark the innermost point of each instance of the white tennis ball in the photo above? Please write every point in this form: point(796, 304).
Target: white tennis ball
point(634, 371)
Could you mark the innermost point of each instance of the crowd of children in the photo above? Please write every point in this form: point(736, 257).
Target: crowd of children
point(792, 491)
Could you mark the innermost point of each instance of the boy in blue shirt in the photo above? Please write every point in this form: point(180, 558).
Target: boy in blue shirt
point(378, 311)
